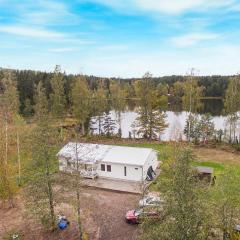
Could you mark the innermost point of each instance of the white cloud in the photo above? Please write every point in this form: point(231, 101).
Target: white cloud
point(166, 6)
point(31, 32)
point(63, 50)
point(192, 39)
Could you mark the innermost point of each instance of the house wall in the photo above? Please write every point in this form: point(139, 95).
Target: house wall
point(134, 173)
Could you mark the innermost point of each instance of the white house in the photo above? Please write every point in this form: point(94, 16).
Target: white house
point(108, 161)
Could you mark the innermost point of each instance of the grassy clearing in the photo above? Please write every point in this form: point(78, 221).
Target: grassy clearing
point(216, 158)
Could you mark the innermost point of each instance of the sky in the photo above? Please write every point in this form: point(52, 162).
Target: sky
point(121, 38)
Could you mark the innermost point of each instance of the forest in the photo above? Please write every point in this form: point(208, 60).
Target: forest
point(41, 111)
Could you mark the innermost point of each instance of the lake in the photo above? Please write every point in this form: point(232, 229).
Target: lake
point(176, 120)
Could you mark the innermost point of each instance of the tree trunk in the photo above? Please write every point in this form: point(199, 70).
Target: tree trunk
point(50, 192)
point(83, 129)
point(19, 160)
point(79, 214)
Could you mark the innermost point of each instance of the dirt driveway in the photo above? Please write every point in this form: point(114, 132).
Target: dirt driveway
point(102, 213)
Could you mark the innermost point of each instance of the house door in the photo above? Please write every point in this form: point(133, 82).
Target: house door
point(125, 171)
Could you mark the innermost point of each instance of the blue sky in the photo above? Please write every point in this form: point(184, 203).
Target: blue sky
point(122, 38)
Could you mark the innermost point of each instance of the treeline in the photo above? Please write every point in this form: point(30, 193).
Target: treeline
point(213, 86)
point(88, 100)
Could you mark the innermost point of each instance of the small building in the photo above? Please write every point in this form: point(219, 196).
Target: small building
point(204, 173)
point(108, 161)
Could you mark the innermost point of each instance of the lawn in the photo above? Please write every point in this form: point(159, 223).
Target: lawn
point(217, 158)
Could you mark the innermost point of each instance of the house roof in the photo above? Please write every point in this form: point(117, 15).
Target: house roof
point(201, 169)
point(92, 153)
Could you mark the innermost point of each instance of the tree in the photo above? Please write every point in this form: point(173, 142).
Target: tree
point(227, 201)
point(152, 125)
point(206, 127)
point(151, 122)
point(81, 101)
point(39, 193)
point(185, 214)
point(99, 104)
point(41, 101)
point(109, 126)
point(9, 108)
point(28, 108)
point(232, 106)
point(118, 97)
point(201, 128)
point(57, 97)
point(192, 94)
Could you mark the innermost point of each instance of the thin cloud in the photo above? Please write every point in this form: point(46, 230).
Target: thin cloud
point(31, 32)
point(63, 50)
point(192, 39)
point(166, 6)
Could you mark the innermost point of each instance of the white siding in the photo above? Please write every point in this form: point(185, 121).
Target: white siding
point(134, 173)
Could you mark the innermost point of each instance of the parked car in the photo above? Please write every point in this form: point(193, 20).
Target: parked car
point(137, 216)
point(150, 201)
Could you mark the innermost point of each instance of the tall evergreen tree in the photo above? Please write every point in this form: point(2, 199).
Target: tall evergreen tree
point(151, 121)
point(41, 107)
point(57, 97)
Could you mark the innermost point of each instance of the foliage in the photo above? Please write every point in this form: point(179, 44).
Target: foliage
point(185, 214)
point(57, 97)
point(199, 128)
point(151, 122)
point(39, 193)
point(192, 94)
point(81, 101)
point(109, 126)
point(227, 198)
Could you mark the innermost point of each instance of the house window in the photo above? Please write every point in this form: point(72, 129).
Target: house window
point(109, 169)
point(125, 171)
point(102, 167)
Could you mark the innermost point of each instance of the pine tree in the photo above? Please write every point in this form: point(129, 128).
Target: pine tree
point(58, 98)
point(151, 122)
point(28, 108)
point(41, 101)
point(109, 126)
point(81, 101)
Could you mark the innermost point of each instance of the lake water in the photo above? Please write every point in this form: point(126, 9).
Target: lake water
point(176, 121)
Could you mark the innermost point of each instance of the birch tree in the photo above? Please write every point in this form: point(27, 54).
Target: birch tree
point(118, 98)
point(81, 101)
point(100, 104)
point(232, 105)
point(9, 108)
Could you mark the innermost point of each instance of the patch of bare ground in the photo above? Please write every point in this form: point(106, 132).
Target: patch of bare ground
point(102, 217)
point(218, 154)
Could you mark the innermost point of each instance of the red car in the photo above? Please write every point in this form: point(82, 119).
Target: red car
point(136, 216)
